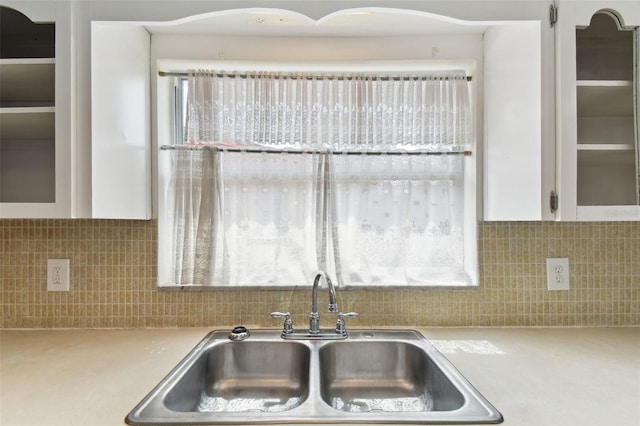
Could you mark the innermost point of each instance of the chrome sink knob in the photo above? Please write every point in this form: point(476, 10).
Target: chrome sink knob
point(340, 325)
point(288, 324)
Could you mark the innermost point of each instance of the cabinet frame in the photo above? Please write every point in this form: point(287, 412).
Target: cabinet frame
point(571, 16)
point(59, 14)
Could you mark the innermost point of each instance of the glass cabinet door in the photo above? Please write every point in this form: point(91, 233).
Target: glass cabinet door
point(27, 109)
point(606, 80)
point(597, 95)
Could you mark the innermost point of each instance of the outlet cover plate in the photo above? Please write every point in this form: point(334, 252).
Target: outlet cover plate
point(558, 273)
point(58, 275)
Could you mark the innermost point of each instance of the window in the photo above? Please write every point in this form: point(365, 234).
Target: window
point(277, 175)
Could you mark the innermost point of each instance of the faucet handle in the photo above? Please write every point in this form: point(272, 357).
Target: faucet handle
point(288, 324)
point(340, 326)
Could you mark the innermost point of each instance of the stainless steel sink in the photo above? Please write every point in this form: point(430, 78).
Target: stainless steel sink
point(383, 376)
point(374, 376)
point(260, 376)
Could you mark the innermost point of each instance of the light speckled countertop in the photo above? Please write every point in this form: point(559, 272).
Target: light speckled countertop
point(534, 376)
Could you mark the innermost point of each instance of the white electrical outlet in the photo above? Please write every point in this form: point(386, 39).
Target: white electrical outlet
point(558, 274)
point(58, 275)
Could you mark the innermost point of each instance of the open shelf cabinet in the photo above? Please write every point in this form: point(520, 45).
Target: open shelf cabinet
point(27, 111)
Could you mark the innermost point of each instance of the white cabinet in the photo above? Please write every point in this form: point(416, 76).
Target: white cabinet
point(101, 154)
point(53, 164)
point(516, 122)
point(597, 50)
point(34, 125)
point(120, 121)
point(514, 80)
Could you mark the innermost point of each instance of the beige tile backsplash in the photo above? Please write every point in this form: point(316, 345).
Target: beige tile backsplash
point(113, 282)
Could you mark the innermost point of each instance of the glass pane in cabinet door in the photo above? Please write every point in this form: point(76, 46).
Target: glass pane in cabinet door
point(27, 109)
point(607, 132)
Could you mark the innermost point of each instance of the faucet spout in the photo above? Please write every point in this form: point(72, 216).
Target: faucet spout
point(314, 317)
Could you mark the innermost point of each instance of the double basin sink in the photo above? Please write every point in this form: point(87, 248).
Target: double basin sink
point(374, 376)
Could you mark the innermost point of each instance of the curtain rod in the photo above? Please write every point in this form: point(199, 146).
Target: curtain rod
point(308, 151)
point(306, 76)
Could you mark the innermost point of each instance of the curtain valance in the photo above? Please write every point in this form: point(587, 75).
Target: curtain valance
point(429, 112)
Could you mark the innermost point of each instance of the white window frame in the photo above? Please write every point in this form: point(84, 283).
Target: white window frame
point(173, 88)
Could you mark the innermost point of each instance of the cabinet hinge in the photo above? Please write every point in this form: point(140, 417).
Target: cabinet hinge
point(553, 15)
point(553, 201)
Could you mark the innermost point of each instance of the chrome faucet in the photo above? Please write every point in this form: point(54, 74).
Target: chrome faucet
point(314, 317)
point(315, 332)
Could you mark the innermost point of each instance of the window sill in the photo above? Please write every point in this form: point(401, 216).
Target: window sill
point(307, 287)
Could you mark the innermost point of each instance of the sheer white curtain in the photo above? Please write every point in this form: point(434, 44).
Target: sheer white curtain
point(399, 219)
point(242, 218)
point(365, 112)
point(268, 224)
point(193, 211)
point(316, 197)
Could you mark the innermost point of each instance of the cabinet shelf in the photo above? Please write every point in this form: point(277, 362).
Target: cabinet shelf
point(605, 131)
point(605, 98)
point(605, 147)
point(34, 109)
point(604, 83)
point(27, 123)
point(27, 81)
point(26, 65)
point(24, 106)
point(618, 155)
